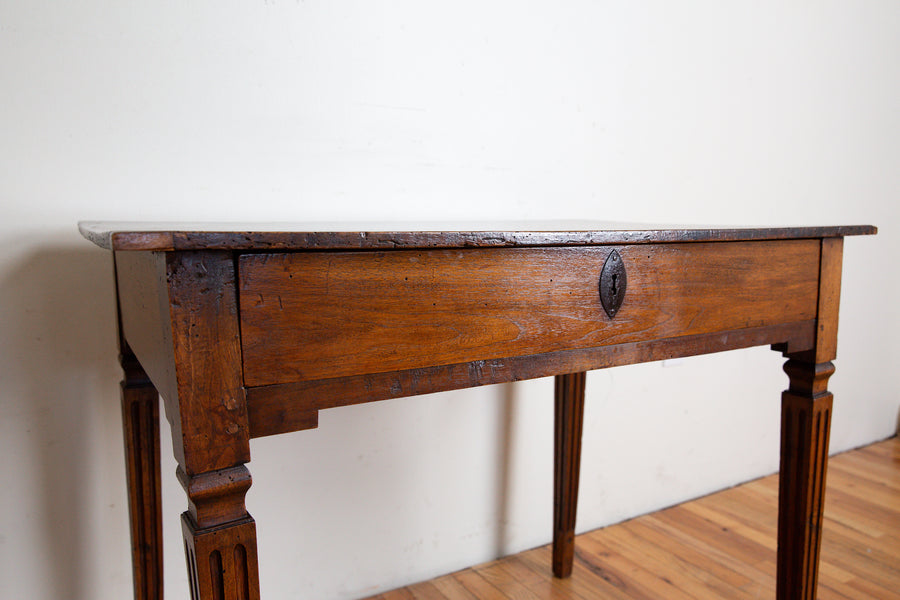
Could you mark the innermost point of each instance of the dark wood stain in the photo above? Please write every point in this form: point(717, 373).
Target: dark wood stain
point(219, 236)
point(307, 316)
point(250, 333)
point(140, 423)
point(293, 406)
point(568, 425)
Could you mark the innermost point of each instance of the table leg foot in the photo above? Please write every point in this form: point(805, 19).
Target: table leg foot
point(805, 426)
point(569, 418)
point(140, 424)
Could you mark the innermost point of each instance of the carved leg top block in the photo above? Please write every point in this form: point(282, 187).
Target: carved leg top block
point(216, 497)
point(808, 379)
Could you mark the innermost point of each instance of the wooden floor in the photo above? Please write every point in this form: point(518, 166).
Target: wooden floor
point(720, 546)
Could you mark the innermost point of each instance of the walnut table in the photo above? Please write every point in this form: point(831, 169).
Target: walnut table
point(251, 330)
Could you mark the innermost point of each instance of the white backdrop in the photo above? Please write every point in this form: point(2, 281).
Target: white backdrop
point(758, 112)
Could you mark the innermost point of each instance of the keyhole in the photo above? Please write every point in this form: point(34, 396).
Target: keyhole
point(615, 289)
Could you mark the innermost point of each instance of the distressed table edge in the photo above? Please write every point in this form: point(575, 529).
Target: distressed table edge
point(147, 236)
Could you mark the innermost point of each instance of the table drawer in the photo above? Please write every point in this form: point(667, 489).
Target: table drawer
point(314, 315)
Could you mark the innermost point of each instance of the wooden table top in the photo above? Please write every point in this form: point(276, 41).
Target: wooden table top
point(152, 236)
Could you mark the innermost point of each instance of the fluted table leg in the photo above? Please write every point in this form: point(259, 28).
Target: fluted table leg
point(140, 426)
point(569, 399)
point(805, 425)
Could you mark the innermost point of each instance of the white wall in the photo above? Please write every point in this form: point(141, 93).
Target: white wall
point(763, 112)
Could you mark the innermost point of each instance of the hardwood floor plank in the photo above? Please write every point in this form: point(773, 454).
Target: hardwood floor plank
point(480, 587)
point(879, 567)
point(511, 587)
point(700, 557)
point(586, 582)
point(761, 576)
point(887, 451)
point(871, 590)
point(748, 510)
point(885, 544)
point(874, 467)
point(426, 591)
point(752, 532)
point(841, 513)
point(631, 568)
point(721, 546)
point(876, 519)
point(689, 557)
point(398, 594)
point(684, 575)
point(862, 488)
point(739, 547)
point(451, 587)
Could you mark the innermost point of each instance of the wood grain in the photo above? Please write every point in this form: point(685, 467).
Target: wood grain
point(413, 309)
point(179, 314)
point(829, 299)
point(214, 431)
point(290, 407)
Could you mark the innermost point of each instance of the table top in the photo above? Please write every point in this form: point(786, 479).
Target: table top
point(158, 236)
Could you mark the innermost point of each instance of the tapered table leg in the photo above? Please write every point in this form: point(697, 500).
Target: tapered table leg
point(140, 420)
point(805, 425)
point(569, 418)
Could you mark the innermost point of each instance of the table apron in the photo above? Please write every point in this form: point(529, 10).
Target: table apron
point(307, 316)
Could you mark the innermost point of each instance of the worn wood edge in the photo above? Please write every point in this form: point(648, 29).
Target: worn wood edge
point(203, 313)
point(289, 407)
point(111, 239)
point(91, 231)
point(158, 240)
point(144, 236)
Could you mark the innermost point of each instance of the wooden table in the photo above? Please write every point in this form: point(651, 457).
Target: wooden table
point(251, 331)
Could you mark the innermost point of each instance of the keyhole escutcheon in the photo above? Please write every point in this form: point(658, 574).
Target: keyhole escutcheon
point(613, 282)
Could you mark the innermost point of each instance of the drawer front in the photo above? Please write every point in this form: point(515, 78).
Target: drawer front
point(316, 315)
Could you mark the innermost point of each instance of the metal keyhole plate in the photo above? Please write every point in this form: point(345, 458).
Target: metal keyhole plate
point(612, 284)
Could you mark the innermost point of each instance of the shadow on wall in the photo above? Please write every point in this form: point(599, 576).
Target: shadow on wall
point(57, 309)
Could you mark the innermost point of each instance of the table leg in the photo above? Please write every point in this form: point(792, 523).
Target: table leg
point(805, 425)
point(140, 420)
point(569, 417)
point(220, 536)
